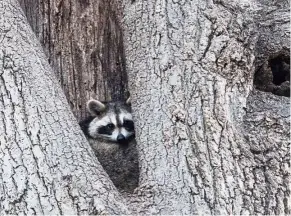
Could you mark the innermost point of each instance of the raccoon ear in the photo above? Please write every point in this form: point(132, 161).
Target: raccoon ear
point(128, 101)
point(95, 107)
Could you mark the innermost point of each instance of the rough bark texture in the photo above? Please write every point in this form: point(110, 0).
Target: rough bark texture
point(46, 165)
point(207, 144)
point(84, 45)
point(267, 173)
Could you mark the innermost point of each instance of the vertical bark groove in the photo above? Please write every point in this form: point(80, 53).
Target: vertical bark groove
point(84, 44)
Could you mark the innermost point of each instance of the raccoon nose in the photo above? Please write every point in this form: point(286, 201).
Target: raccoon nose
point(120, 138)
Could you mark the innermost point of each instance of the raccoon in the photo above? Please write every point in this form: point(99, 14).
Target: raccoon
point(110, 132)
point(109, 121)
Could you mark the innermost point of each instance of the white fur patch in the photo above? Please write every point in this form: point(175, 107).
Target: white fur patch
point(125, 133)
point(97, 123)
point(113, 119)
point(123, 116)
point(114, 135)
point(110, 118)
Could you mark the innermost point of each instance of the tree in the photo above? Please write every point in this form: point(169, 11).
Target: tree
point(207, 141)
point(47, 166)
point(84, 44)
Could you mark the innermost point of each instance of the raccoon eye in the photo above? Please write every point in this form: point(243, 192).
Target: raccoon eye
point(128, 125)
point(110, 126)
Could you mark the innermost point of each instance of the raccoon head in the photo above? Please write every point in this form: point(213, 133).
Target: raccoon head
point(110, 121)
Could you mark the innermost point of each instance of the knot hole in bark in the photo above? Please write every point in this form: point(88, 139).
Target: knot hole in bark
point(274, 75)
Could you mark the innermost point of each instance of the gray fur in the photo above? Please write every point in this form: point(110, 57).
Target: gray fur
point(115, 113)
point(120, 161)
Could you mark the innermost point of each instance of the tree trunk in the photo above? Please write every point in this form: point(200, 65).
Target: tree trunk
point(46, 165)
point(84, 44)
point(207, 144)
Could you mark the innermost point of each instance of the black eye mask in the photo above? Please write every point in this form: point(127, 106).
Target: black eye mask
point(108, 129)
point(110, 126)
point(128, 125)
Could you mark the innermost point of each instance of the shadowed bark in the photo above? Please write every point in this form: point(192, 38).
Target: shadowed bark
point(84, 45)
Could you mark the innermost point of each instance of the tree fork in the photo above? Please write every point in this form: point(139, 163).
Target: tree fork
point(208, 142)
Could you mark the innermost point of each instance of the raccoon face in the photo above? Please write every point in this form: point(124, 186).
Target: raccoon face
point(110, 121)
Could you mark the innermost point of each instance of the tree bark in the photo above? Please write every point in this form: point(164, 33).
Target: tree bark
point(46, 164)
point(208, 141)
point(83, 42)
point(207, 144)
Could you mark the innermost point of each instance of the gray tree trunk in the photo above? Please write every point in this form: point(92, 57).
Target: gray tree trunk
point(46, 164)
point(208, 142)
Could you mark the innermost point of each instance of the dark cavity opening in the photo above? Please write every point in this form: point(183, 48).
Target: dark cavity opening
point(280, 67)
point(274, 75)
